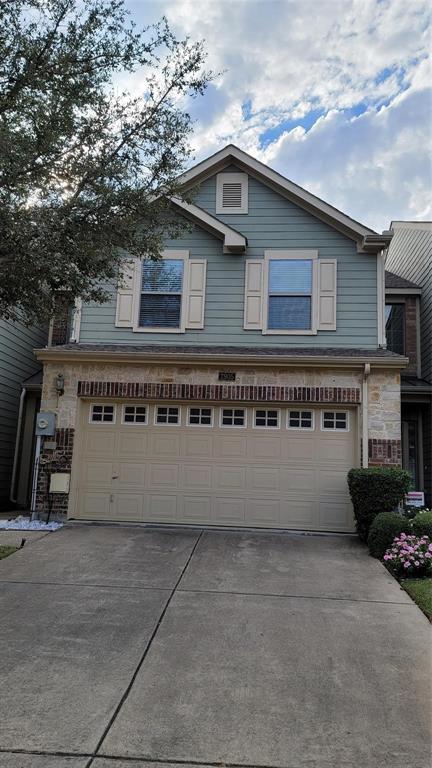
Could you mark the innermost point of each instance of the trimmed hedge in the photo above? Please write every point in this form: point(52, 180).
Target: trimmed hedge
point(422, 524)
point(375, 490)
point(385, 527)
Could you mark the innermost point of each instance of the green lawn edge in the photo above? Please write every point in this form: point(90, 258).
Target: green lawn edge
point(6, 550)
point(420, 590)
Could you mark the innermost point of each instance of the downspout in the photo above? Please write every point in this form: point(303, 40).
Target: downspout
point(365, 417)
point(12, 495)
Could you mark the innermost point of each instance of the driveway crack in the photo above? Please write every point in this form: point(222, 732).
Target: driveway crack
point(144, 655)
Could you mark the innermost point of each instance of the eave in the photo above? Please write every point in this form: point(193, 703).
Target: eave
point(57, 355)
point(233, 241)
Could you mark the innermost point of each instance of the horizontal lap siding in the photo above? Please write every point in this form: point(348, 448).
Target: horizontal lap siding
point(272, 222)
point(17, 362)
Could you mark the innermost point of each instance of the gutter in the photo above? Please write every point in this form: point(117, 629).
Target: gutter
point(365, 416)
point(56, 355)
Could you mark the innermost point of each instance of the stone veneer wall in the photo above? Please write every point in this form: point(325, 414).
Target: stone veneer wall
point(129, 380)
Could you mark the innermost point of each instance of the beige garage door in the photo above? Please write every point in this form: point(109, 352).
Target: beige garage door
point(222, 465)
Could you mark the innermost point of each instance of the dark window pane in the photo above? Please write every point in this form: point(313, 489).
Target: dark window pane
point(159, 311)
point(395, 328)
point(164, 276)
point(290, 276)
point(289, 313)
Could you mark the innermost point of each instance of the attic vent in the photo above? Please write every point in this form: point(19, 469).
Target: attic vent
point(232, 193)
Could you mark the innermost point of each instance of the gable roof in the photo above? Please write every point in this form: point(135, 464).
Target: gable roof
point(368, 240)
point(400, 284)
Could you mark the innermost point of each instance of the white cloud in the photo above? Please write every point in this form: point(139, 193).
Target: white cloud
point(292, 60)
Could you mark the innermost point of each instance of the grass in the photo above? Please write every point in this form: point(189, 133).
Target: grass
point(420, 590)
point(5, 551)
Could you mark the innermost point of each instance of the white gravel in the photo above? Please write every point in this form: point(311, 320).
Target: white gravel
point(22, 523)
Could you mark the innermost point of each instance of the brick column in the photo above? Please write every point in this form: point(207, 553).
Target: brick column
point(58, 460)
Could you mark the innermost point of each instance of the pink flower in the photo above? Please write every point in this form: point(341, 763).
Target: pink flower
point(416, 563)
point(406, 565)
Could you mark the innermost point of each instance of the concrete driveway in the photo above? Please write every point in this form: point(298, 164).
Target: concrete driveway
point(126, 647)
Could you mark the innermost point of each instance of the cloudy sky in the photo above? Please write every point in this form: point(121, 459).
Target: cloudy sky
point(334, 94)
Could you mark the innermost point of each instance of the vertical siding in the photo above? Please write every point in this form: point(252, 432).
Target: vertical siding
point(272, 222)
point(17, 362)
point(410, 256)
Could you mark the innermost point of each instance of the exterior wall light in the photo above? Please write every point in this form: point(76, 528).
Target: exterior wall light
point(59, 384)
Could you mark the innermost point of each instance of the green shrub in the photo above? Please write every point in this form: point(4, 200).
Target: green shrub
point(422, 524)
point(375, 490)
point(384, 528)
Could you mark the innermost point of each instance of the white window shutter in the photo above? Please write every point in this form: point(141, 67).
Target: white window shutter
point(327, 282)
point(195, 297)
point(125, 294)
point(253, 300)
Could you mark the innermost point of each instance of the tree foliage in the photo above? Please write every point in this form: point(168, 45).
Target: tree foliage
point(93, 134)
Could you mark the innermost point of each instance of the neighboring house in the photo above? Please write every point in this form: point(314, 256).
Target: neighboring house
point(19, 401)
point(237, 380)
point(409, 331)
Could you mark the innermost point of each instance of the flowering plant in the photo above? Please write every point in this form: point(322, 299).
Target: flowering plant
point(410, 556)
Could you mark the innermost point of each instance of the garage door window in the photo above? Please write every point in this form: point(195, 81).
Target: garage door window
point(335, 421)
point(200, 417)
point(267, 419)
point(166, 415)
point(233, 417)
point(102, 414)
point(135, 414)
point(300, 420)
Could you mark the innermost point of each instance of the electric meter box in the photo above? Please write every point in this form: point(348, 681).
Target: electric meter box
point(45, 424)
point(59, 482)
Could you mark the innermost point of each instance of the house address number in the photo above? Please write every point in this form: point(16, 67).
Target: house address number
point(227, 376)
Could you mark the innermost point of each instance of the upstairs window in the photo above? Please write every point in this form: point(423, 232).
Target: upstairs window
point(395, 328)
point(232, 193)
point(161, 294)
point(290, 290)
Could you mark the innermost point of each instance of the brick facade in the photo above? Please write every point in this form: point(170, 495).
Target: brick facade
point(57, 460)
point(385, 453)
point(61, 322)
point(217, 392)
point(410, 336)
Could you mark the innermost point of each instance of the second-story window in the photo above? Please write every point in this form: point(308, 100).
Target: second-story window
point(395, 328)
point(290, 284)
point(161, 294)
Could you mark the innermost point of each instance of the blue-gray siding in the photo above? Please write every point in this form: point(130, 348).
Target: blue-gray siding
point(17, 362)
point(272, 222)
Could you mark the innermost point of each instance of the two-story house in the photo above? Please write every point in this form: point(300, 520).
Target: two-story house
point(238, 379)
point(409, 332)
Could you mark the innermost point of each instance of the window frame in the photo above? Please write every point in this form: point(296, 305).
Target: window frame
point(103, 405)
point(167, 255)
point(232, 178)
point(260, 426)
point(166, 423)
point(233, 426)
point(135, 423)
point(400, 303)
point(286, 255)
point(300, 411)
point(335, 428)
point(200, 408)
